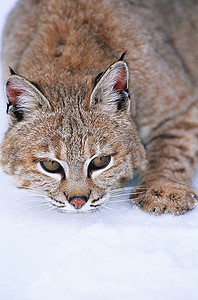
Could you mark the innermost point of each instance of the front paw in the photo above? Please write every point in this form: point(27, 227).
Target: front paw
point(164, 196)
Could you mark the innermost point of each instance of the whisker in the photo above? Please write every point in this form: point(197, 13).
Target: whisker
point(134, 199)
point(48, 209)
point(33, 198)
point(98, 213)
point(129, 188)
point(114, 196)
point(128, 194)
point(112, 210)
point(51, 213)
point(141, 188)
point(32, 190)
point(28, 198)
point(131, 192)
point(103, 210)
point(124, 200)
point(121, 189)
point(35, 206)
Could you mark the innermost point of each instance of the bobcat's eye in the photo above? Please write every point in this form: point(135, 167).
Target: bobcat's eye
point(99, 163)
point(51, 166)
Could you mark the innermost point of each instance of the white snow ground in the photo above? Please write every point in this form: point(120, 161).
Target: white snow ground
point(50, 255)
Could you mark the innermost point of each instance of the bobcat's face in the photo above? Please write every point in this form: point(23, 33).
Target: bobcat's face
point(74, 153)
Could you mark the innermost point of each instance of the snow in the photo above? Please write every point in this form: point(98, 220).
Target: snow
point(128, 255)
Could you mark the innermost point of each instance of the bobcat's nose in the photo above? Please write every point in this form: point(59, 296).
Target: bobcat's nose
point(78, 201)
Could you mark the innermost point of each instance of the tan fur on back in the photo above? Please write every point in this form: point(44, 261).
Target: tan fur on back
point(60, 47)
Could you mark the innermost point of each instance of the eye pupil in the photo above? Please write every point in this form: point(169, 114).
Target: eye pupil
point(51, 166)
point(98, 163)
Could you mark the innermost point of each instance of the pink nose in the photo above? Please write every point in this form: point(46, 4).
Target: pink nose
point(78, 202)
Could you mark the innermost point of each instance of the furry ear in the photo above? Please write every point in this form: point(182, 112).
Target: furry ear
point(112, 88)
point(23, 98)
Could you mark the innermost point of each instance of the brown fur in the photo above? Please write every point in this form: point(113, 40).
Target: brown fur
point(61, 46)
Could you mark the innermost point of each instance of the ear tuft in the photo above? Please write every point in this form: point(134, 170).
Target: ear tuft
point(122, 56)
point(12, 72)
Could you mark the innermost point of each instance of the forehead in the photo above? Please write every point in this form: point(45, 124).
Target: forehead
point(76, 135)
point(85, 136)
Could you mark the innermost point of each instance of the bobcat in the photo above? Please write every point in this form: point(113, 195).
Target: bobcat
point(74, 132)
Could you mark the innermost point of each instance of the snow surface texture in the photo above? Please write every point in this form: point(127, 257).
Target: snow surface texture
point(107, 256)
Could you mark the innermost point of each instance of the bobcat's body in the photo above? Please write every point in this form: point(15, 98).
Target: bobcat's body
point(60, 47)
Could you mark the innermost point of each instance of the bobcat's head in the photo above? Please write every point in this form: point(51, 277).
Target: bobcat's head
point(75, 145)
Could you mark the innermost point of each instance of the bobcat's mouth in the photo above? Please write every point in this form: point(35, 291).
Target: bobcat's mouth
point(89, 206)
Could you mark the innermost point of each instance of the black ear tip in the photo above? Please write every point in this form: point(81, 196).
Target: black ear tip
point(7, 108)
point(122, 56)
point(12, 72)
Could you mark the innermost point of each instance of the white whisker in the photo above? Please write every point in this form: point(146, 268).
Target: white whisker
point(129, 188)
point(124, 200)
point(114, 196)
point(41, 192)
point(122, 189)
point(103, 210)
point(112, 210)
point(140, 187)
point(143, 189)
point(128, 194)
point(37, 205)
point(34, 197)
point(48, 209)
point(98, 213)
point(135, 199)
point(28, 198)
point(51, 213)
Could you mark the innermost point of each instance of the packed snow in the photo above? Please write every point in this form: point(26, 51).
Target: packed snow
point(115, 254)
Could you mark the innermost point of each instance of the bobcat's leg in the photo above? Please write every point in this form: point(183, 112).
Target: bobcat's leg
point(172, 156)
